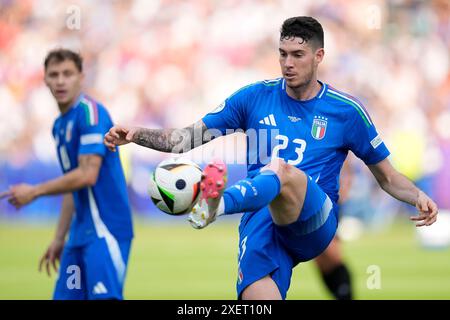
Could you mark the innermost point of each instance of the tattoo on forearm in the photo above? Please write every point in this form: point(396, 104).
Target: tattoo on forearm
point(173, 140)
point(153, 138)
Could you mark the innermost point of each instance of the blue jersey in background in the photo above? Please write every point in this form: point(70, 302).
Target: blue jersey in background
point(104, 209)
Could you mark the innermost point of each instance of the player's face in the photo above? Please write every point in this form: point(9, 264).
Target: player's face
point(64, 81)
point(298, 61)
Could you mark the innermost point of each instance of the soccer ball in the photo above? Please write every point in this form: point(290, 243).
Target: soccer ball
point(175, 186)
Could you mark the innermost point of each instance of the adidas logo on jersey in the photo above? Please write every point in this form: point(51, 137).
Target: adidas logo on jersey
point(269, 120)
point(100, 288)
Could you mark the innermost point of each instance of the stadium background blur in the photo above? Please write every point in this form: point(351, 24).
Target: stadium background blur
point(166, 63)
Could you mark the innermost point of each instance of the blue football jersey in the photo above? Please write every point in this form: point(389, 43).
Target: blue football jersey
point(101, 211)
point(313, 135)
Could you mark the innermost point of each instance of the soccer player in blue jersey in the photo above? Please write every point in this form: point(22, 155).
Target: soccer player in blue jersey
point(93, 262)
point(289, 198)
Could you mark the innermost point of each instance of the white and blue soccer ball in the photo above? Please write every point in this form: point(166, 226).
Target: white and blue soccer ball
point(175, 186)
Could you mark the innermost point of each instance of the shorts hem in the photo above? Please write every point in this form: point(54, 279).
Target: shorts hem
point(241, 287)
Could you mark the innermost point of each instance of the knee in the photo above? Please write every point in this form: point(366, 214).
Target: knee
point(290, 176)
point(279, 166)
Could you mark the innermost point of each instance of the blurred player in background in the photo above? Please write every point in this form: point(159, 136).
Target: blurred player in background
point(334, 272)
point(290, 196)
point(93, 262)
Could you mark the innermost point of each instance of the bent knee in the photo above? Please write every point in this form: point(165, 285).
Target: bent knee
point(280, 167)
point(290, 176)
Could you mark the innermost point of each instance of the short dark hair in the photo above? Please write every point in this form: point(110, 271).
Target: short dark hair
point(60, 55)
point(307, 28)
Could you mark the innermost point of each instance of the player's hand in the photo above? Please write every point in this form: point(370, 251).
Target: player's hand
point(428, 211)
point(51, 256)
point(21, 194)
point(117, 136)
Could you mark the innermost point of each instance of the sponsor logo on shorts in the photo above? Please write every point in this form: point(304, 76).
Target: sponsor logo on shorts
point(240, 276)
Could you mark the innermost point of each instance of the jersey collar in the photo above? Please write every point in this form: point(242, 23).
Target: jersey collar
point(75, 104)
point(319, 95)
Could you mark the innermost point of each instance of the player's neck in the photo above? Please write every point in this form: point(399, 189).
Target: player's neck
point(64, 107)
point(306, 92)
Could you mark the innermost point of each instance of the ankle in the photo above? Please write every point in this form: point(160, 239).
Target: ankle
point(221, 207)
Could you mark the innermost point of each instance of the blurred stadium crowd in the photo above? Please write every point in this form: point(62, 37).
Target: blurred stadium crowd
point(165, 63)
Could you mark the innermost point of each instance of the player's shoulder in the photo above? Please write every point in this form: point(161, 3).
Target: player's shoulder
point(91, 109)
point(260, 87)
point(346, 103)
point(87, 102)
point(341, 99)
point(269, 85)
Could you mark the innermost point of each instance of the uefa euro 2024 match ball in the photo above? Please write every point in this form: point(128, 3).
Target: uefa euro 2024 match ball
point(175, 186)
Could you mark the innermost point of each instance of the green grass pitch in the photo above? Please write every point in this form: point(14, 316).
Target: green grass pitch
point(174, 261)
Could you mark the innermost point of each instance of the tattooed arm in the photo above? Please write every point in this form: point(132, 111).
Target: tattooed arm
point(164, 140)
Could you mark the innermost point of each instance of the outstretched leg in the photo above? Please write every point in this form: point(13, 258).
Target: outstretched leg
point(278, 184)
point(250, 194)
point(283, 189)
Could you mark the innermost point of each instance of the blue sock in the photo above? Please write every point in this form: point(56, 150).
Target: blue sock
point(252, 194)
